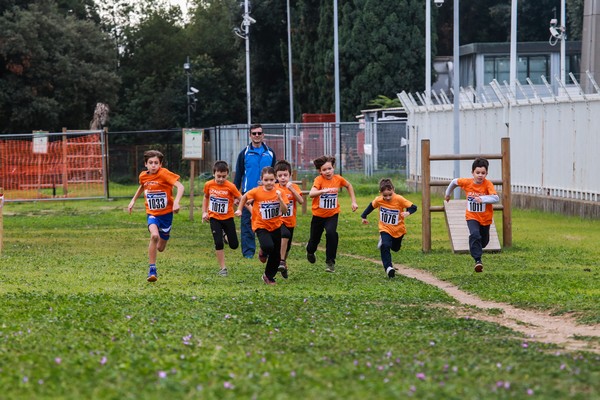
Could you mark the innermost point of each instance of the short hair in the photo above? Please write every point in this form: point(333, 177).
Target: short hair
point(480, 162)
point(386, 184)
point(283, 165)
point(254, 126)
point(153, 153)
point(220, 166)
point(267, 170)
point(319, 162)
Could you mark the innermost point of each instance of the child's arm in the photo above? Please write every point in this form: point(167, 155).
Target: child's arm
point(488, 199)
point(179, 186)
point(238, 212)
point(297, 196)
point(314, 192)
point(282, 204)
point(352, 196)
point(365, 213)
point(135, 196)
point(410, 210)
point(453, 185)
point(205, 208)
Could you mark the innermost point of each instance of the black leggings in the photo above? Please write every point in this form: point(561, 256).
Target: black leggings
point(287, 233)
point(317, 226)
point(270, 244)
point(218, 226)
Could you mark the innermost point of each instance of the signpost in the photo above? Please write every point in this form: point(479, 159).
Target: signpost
point(193, 150)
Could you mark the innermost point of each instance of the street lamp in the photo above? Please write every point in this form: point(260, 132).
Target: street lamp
point(244, 32)
point(191, 92)
point(438, 3)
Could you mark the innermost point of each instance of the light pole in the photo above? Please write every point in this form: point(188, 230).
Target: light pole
point(438, 3)
point(244, 32)
point(456, 79)
point(187, 69)
point(191, 92)
point(290, 81)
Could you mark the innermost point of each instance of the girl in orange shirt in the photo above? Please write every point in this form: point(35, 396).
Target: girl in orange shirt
point(267, 207)
point(325, 210)
point(393, 209)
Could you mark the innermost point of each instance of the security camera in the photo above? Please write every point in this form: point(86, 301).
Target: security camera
point(186, 66)
point(249, 20)
point(438, 3)
point(554, 32)
point(194, 90)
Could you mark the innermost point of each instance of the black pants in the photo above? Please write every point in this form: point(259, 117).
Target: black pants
point(287, 233)
point(317, 226)
point(388, 242)
point(479, 237)
point(270, 244)
point(228, 226)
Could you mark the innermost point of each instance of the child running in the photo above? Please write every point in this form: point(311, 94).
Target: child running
point(267, 207)
point(393, 209)
point(480, 212)
point(326, 209)
point(220, 196)
point(157, 184)
point(293, 195)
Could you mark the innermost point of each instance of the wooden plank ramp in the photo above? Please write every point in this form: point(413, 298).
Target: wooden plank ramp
point(454, 210)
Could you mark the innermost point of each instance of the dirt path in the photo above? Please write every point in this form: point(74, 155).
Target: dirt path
point(535, 325)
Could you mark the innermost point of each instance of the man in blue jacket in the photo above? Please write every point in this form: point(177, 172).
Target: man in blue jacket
point(251, 160)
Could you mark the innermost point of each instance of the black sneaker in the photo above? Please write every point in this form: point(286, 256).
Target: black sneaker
point(330, 266)
point(391, 272)
point(311, 258)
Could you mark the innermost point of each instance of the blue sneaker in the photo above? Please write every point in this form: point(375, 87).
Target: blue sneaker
point(152, 275)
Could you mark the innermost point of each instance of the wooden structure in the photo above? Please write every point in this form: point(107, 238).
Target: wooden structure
point(427, 183)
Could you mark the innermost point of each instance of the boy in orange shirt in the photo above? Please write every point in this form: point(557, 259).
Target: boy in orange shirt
point(293, 194)
point(480, 212)
point(326, 209)
point(220, 196)
point(157, 184)
point(267, 207)
point(393, 209)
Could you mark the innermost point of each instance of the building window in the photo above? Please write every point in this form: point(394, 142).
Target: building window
point(532, 67)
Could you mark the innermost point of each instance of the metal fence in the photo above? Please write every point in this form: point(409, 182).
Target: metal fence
point(364, 148)
point(554, 139)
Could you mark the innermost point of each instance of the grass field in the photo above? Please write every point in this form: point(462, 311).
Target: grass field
point(79, 320)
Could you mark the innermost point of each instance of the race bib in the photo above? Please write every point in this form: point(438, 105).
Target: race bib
point(218, 205)
point(389, 216)
point(156, 200)
point(474, 206)
point(269, 210)
point(328, 201)
point(290, 210)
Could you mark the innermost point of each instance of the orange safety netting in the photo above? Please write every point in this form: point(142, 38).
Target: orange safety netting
point(67, 167)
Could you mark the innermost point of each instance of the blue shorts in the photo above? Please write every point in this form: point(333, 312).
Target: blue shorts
point(163, 222)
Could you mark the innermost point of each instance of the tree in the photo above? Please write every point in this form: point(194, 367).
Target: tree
point(55, 68)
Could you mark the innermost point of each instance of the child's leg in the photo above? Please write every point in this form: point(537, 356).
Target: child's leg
point(228, 226)
point(331, 237)
point(153, 245)
point(317, 225)
point(265, 240)
point(285, 240)
point(217, 233)
point(289, 243)
point(484, 230)
point(274, 258)
point(384, 250)
point(475, 245)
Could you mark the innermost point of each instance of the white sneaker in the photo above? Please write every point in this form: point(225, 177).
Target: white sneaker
point(223, 272)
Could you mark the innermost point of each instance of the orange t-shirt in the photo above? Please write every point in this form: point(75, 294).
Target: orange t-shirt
point(327, 205)
point(220, 199)
point(483, 213)
point(289, 218)
point(390, 220)
point(265, 209)
point(158, 191)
